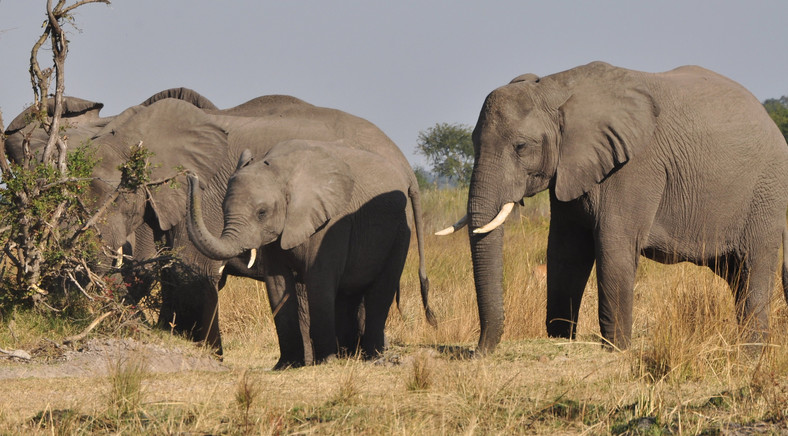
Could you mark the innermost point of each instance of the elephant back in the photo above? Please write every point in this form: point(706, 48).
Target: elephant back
point(269, 105)
point(184, 94)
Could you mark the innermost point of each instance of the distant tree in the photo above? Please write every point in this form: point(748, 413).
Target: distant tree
point(449, 149)
point(422, 176)
point(778, 110)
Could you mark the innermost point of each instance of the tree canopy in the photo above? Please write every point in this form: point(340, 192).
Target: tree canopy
point(778, 110)
point(449, 150)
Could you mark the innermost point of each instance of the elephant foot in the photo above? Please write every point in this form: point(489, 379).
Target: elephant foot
point(754, 343)
point(283, 364)
point(611, 345)
point(327, 359)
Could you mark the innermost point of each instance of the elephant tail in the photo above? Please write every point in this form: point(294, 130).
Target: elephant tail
point(785, 263)
point(418, 223)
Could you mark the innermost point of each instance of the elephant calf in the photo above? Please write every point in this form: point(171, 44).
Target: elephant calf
point(328, 217)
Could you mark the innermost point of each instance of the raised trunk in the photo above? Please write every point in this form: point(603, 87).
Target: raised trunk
point(211, 246)
point(487, 256)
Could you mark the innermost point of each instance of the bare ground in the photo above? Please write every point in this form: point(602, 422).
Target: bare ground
point(94, 357)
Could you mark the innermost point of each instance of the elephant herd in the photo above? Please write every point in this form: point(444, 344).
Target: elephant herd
point(320, 205)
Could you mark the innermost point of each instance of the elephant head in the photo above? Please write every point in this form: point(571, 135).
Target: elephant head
point(566, 132)
point(287, 196)
point(169, 124)
point(178, 134)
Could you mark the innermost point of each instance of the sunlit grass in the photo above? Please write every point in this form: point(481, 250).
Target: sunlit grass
point(685, 372)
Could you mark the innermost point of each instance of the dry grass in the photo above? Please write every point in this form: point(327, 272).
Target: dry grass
point(686, 372)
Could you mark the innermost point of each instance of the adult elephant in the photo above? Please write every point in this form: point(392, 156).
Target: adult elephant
point(135, 223)
point(184, 130)
point(683, 165)
point(330, 217)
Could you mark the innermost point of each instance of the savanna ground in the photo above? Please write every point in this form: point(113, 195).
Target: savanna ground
point(686, 372)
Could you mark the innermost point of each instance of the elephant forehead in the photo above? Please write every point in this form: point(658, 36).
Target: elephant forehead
point(249, 188)
point(506, 105)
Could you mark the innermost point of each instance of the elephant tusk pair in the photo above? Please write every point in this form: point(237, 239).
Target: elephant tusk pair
point(252, 257)
point(499, 219)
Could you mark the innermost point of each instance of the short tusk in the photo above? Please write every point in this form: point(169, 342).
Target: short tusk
point(252, 257)
point(498, 220)
point(221, 269)
point(456, 226)
point(119, 259)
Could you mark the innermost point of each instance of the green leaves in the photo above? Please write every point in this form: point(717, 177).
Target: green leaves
point(778, 110)
point(136, 171)
point(449, 149)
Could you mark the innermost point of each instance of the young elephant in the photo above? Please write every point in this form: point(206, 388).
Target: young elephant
point(329, 217)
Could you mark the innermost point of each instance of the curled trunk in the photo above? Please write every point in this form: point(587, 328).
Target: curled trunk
point(211, 246)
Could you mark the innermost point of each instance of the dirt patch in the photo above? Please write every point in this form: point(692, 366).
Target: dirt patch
point(93, 358)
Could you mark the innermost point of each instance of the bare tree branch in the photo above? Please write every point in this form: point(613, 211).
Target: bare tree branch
point(87, 330)
point(83, 2)
point(5, 170)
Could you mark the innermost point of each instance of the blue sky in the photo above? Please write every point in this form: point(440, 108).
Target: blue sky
point(403, 65)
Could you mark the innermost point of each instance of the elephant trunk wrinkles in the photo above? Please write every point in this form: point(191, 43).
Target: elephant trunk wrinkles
point(211, 246)
point(487, 256)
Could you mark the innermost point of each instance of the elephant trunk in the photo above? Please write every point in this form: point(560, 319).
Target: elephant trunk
point(487, 256)
point(211, 246)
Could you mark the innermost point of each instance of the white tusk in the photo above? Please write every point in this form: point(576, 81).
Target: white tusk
point(119, 260)
point(456, 226)
point(498, 220)
point(221, 269)
point(252, 257)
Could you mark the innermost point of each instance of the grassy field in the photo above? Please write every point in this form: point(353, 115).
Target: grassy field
point(685, 373)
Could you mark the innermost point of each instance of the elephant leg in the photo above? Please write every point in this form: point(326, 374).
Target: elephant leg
point(322, 322)
point(284, 300)
point(751, 281)
point(347, 323)
point(617, 262)
point(377, 303)
point(303, 323)
point(190, 306)
point(570, 257)
point(380, 295)
point(207, 330)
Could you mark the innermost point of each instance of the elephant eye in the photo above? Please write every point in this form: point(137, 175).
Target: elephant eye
point(261, 214)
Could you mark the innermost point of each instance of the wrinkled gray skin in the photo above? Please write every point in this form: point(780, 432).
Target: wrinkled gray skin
point(678, 166)
point(183, 129)
point(329, 217)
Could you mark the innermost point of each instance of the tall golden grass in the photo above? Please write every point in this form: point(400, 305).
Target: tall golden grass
point(686, 372)
point(684, 318)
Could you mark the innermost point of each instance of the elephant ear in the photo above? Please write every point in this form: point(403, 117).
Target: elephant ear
point(72, 107)
point(319, 188)
point(604, 125)
point(244, 160)
point(181, 136)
